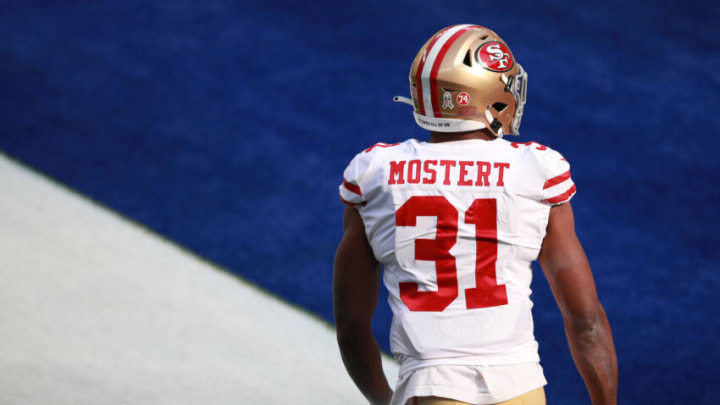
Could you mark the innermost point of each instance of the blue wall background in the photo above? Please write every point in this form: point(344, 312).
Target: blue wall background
point(225, 126)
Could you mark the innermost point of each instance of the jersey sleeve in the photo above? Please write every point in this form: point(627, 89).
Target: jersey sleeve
point(362, 177)
point(351, 193)
point(559, 187)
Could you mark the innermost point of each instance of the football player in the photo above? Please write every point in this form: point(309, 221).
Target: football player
point(456, 222)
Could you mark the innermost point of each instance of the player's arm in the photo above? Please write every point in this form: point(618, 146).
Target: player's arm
point(566, 267)
point(355, 289)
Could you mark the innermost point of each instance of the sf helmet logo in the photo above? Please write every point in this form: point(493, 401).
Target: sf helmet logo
point(495, 56)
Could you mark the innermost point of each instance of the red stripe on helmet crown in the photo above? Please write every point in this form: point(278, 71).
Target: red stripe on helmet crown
point(434, 91)
point(421, 66)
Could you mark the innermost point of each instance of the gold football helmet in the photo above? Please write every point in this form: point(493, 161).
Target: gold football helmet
point(465, 78)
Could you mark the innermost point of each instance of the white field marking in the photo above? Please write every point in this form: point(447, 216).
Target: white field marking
point(97, 310)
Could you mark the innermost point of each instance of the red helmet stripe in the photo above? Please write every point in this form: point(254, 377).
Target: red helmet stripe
point(421, 66)
point(434, 91)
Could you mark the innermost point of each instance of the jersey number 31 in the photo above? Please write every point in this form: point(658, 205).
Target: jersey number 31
point(483, 214)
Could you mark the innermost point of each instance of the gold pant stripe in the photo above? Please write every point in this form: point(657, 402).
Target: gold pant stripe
point(535, 397)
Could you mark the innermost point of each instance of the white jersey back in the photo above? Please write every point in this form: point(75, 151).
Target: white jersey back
point(456, 225)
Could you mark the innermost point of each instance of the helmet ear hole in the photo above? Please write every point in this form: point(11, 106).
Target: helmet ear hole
point(499, 107)
point(467, 60)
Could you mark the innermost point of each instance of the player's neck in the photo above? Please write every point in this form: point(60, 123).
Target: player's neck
point(437, 137)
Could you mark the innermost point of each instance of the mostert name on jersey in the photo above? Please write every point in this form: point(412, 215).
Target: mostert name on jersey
point(447, 172)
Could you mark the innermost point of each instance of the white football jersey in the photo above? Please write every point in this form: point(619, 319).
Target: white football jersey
point(456, 225)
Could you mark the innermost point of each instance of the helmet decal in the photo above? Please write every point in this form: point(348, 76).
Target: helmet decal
point(467, 111)
point(463, 98)
point(447, 101)
point(495, 56)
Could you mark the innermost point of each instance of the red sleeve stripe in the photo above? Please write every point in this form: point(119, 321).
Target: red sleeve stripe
point(557, 180)
point(351, 204)
point(562, 197)
point(380, 145)
point(352, 187)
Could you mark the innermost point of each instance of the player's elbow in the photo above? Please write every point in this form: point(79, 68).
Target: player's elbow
point(350, 327)
point(351, 335)
point(588, 329)
point(349, 320)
